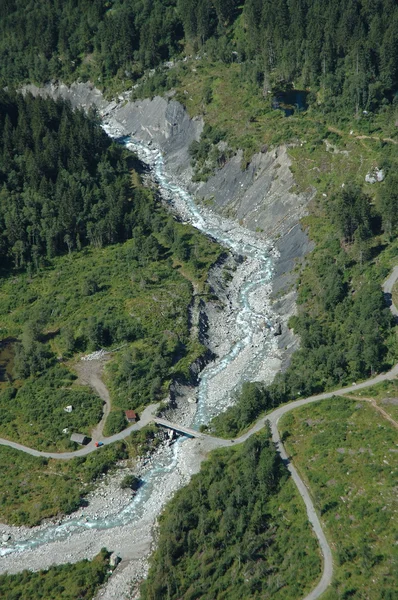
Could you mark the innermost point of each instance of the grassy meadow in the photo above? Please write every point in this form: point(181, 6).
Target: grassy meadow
point(34, 414)
point(100, 297)
point(347, 454)
point(232, 103)
point(384, 394)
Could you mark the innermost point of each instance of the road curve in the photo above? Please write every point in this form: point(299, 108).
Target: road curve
point(273, 419)
point(387, 289)
point(327, 572)
point(275, 415)
point(148, 416)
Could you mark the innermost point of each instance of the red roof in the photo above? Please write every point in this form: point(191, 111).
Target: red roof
point(130, 414)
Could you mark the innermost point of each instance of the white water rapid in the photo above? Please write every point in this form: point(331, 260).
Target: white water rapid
point(248, 346)
point(247, 351)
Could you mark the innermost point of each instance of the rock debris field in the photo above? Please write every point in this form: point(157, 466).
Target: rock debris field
point(131, 540)
point(241, 324)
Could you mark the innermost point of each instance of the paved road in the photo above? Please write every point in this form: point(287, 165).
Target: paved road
point(273, 418)
point(387, 289)
point(146, 418)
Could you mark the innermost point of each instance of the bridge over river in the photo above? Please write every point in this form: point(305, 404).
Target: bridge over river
point(179, 428)
point(148, 416)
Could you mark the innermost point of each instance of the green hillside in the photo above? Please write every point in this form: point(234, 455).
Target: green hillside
point(345, 451)
point(90, 258)
point(36, 488)
point(345, 51)
point(87, 252)
point(238, 530)
point(65, 582)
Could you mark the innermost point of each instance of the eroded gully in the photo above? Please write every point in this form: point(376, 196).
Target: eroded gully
point(247, 350)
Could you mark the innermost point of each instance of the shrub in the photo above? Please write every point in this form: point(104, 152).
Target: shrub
point(130, 482)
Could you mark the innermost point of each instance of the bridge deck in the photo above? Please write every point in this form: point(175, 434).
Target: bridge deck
point(178, 428)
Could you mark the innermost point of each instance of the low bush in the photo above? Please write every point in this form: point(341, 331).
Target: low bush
point(65, 582)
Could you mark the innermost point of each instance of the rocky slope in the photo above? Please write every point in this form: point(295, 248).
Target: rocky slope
point(259, 197)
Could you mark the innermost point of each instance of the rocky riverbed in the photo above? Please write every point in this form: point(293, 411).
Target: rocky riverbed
point(77, 537)
point(254, 302)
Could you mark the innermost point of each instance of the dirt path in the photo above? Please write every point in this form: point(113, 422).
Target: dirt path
point(361, 137)
point(93, 377)
point(148, 416)
point(89, 372)
point(373, 402)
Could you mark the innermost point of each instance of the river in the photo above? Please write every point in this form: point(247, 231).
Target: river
point(247, 349)
point(249, 318)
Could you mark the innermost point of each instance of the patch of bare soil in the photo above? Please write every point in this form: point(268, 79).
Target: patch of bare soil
point(89, 373)
point(391, 401)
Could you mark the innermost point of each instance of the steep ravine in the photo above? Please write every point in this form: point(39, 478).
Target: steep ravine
point(259, 198)
point(239, 334)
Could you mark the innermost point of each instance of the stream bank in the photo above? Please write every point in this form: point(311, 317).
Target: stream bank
point(240, 326)
point(261, 198)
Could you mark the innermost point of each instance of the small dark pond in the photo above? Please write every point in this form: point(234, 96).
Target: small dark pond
point(7, 353)
point(290, 101)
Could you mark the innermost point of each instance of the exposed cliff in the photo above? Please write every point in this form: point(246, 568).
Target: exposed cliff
point(259, 197)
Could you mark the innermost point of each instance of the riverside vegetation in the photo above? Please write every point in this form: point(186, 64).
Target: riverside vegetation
point(87, 253)
point(65, 582)
point(68, 286)
point(32, 489)
point(238, 530)
point(345, 329)
point(343, 55)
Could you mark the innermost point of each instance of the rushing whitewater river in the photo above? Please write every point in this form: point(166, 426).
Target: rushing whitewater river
point(248, 335)
point(246, 350)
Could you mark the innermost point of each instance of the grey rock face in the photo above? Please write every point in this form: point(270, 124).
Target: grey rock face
point(261, 197)
point(258, 197)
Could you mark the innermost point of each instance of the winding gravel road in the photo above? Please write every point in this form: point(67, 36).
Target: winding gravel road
point(273, 419)
point(387, 289)
point(148, 416)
